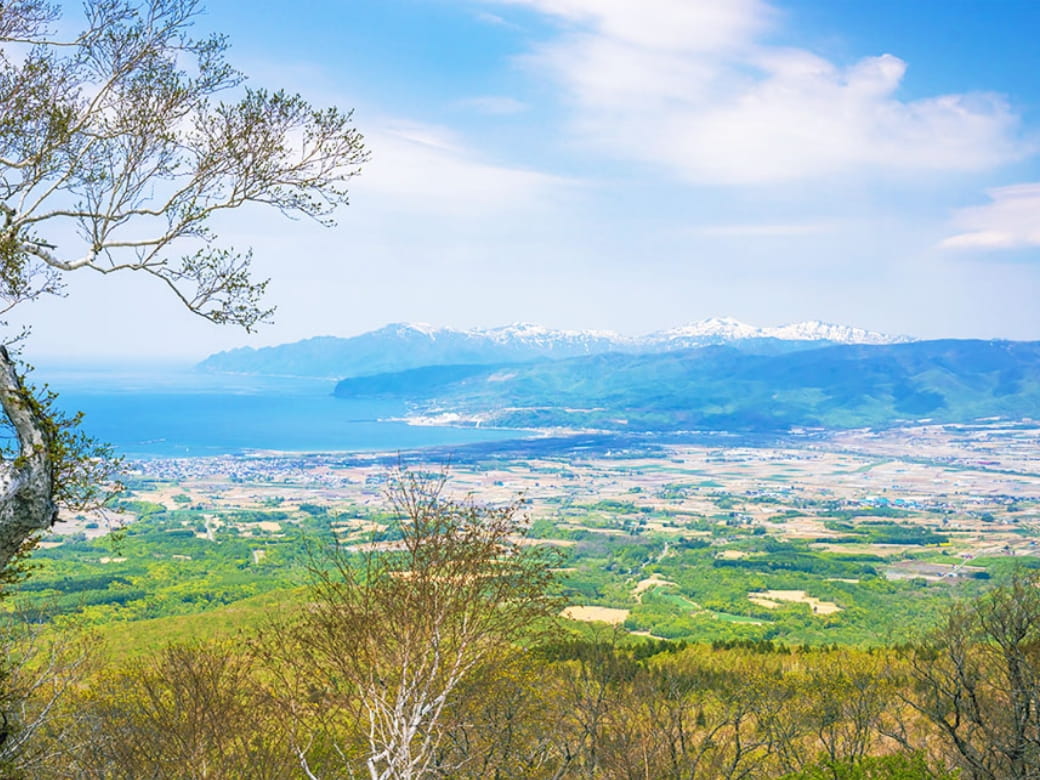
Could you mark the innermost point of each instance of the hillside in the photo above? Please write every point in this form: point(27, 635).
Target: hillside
point(725, 388)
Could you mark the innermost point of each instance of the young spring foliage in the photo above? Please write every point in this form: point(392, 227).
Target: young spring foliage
point(396, 631)
point(118, 147)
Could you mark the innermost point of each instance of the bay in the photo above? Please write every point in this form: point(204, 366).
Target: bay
point(152, 411)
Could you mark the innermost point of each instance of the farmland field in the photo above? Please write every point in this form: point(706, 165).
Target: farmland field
point(854, 537)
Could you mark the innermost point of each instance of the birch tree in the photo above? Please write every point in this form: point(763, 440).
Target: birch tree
point(395, 632)
point(118, 147)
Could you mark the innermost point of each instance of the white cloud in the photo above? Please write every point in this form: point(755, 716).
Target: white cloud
point(425, 168)
point(420, 167)
point(1008, 222)
point(687, 84)
point(678, 25)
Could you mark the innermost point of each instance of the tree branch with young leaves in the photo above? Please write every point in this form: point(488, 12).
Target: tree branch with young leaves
point(118, 148)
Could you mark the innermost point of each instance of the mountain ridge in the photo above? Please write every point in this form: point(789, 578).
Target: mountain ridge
point(401, 346)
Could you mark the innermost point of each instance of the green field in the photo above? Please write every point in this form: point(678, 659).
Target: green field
point(219, 569)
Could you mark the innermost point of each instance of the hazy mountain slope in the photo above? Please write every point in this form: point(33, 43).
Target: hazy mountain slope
point(402, 346)
point(725, 388)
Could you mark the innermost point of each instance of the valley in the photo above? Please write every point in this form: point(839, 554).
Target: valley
point(852, 537)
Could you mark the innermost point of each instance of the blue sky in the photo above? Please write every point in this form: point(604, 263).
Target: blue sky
point(631, 166)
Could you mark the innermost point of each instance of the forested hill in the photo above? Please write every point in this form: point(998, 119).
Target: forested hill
point(721, 387)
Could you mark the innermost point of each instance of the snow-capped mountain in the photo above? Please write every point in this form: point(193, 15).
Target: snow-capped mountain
point(825, 331)
point(713, 330)
point(530, 333)
point(400, 346)
point(516, 333)
point(519, 336)
point(721, 330)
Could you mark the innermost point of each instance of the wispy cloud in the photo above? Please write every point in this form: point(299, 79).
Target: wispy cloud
point(677, 25)
point(493, 19)
point(761, 230)
point(428, 169)
point(1010, 221)
point(495, 104)
point(688, 84)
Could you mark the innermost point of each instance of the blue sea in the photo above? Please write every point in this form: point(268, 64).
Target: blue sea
point(149, 411)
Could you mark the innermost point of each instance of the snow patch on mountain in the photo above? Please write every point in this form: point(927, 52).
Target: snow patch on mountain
point(712, 330)
point(723, 329)
point(530, 332)
point(825, 331)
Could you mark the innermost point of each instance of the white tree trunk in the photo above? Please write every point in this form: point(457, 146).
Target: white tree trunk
point(26, 480)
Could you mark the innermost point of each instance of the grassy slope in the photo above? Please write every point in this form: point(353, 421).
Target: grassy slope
point(123, 640)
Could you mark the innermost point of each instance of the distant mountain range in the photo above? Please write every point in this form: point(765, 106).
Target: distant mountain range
point(716, 374)
point(727, 388)
point(403, 346)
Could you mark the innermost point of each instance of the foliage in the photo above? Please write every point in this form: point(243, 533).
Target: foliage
point(899, 766)
point(977, 679)
point(193, 710)
point(83, 468)
point(291, 699)
point(38, 669)
point(400, 628)
point(118, 133)
point(118, 147)
point(53, 466)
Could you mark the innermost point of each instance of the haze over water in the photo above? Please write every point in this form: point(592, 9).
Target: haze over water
point(147, 411)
